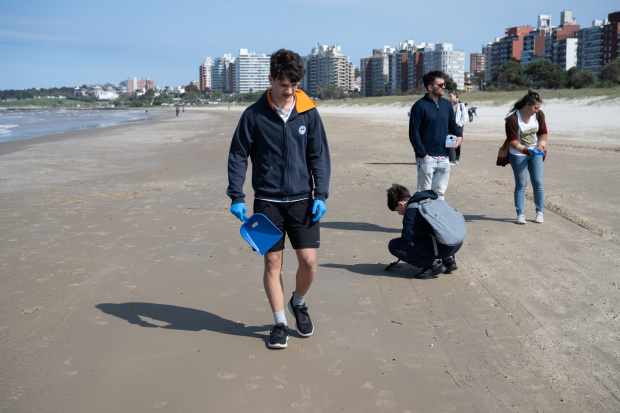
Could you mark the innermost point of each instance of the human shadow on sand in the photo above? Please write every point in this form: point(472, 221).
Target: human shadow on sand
point(181, 318)
point(485, 218)
point(358, 226)
point(402, 270)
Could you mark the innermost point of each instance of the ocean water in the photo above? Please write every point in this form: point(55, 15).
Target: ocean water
point(27, 124)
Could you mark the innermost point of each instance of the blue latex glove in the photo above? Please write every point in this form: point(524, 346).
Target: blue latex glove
point(238, 210)
point(320, 206)
point(535, 152)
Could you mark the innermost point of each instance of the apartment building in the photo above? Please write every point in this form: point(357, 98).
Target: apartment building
point(375, 71)
point(205, 74)
point(251, 71)
point(328, 67)
point(611, 38)
point(488, 73)
point(219, 72)
point(448, 60)
point(415, 64)
point(590, 46)
point(507, 49)
point(560, 46)
point(477, 61)
point(134, 84)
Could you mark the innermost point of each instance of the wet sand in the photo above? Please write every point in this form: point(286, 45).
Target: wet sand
point(127, 287)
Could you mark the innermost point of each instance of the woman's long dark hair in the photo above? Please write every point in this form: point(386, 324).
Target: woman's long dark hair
point(531, 98)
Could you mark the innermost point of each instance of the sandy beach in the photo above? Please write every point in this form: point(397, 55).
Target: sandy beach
point(126, 286)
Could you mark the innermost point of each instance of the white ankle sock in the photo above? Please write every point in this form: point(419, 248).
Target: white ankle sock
point(279, 317)
point(298, 299)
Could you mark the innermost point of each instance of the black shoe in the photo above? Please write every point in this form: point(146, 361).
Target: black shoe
point(278, 336)
point(432, 272)
point(450, 264)
point(303, 324)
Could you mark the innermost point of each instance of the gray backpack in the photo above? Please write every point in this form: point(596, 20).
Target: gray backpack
point(448, 223)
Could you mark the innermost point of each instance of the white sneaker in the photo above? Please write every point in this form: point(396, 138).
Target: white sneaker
point(539, 218)
point(457, 162)
point(452, 163)
point(521, 219)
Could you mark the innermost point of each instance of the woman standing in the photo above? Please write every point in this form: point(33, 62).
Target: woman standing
point(526, 136)
point(460, 117)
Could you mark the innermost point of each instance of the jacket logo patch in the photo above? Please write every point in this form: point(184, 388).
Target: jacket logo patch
point(302, 130)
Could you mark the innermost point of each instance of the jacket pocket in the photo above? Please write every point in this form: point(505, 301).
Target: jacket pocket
point(300, 180)
point(272, 182)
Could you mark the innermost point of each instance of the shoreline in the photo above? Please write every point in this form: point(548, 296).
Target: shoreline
point(12, 146)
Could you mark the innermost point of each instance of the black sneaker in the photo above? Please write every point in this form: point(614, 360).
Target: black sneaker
point(450, 264)
point(278, 336)
point(432, 272)
point(303, 324)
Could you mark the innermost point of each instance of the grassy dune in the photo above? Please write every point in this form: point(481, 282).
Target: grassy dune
point(47, 102)
point(495, 98)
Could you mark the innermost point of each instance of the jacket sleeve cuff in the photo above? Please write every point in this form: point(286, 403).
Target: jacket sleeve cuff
point(526, 151)
point(239, 200)
point(320, 197)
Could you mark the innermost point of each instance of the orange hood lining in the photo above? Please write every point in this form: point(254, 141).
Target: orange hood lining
point(302, 102)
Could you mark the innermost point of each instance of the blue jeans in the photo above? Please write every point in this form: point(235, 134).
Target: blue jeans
point(405, 252)
point(433, 174)
point(520, 166)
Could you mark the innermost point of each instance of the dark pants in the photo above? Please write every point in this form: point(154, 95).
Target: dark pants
point(455, 153)
point(410, 254)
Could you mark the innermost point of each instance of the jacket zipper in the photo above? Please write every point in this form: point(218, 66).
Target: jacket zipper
point(286, 180)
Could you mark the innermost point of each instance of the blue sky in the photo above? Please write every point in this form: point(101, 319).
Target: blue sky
point(68, 43)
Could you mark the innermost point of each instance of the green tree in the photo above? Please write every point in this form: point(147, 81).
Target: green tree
point(611, 72)
point(358, 73)
point(544, 73)
point(381, 92)
point(450, 83)
point(192, 88)
point(510, 73)
point(578, 78)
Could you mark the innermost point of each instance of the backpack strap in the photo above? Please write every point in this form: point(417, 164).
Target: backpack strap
point(434, 244)
point(417, 204)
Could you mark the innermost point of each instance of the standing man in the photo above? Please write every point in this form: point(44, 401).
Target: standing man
point(431, 121)
point(283, 135)
point(460, 118)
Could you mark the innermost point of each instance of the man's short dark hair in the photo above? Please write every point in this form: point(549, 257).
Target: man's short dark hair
point(429, 78)
point(396, 194)
point(286, 64)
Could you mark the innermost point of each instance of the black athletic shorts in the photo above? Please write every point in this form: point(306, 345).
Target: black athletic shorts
point(293, 219)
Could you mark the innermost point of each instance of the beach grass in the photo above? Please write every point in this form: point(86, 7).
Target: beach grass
point(494, 98)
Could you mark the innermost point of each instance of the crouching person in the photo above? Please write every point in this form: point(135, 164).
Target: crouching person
point(420, 244)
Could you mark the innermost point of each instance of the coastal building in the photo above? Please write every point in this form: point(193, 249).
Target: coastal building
point(327, 67)
point(488, 73)
point(448, 60)
point(205, 74)
point(415, 64)
point(560, 46)
point(106, 95)
point(509, 47)
point(375, 71)
point(477, 61)
point(611, 38)
point(398, 70)
point(590, 46)
point(134, 84)
point(251, 72)
point(219, 72)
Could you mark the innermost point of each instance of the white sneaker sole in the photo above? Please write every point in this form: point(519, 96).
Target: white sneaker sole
point(290, 309)
point(278, 345)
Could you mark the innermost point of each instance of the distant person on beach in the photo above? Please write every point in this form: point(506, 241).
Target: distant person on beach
point(183, 109)
point(472, 112)
point(284, 137)
point(177, 111)
point(431, 121)
point(526, 138)
point(415, 246)
point(460, 117)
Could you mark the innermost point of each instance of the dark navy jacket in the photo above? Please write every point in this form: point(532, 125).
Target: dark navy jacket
point(416, 229)
point(289, 160)
point(429, 124)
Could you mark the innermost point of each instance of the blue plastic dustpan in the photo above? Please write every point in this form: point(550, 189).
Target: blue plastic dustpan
point(260, 233)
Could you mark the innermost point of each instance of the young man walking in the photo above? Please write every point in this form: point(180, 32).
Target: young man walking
point(431, 121)
point(283, 135)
